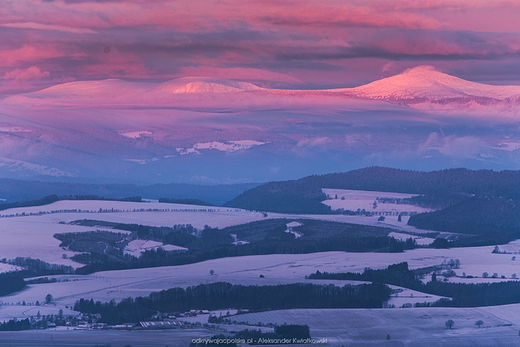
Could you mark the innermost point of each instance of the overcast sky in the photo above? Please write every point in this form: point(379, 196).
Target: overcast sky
point(286, 44)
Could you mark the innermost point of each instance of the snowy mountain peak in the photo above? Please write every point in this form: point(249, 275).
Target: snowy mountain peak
point(204, 85)
point(425, 83)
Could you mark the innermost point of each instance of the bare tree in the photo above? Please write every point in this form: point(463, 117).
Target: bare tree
point(479, 323)
point(449, 323)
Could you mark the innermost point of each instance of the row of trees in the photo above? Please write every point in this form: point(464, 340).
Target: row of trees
point(462, 294)
point(10, 283)
point(440, 188)
point(159, 257)
point(223, 295)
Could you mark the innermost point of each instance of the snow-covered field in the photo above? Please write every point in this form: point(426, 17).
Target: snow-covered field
point(8, 268)
point(406, 327)
point(33, 237)
point(418, 239)
point(137, 247)
point(367, 200)
point(87, 338)
point(26, 235)
point(21, 312)
point(512, 247)
point(277, 269)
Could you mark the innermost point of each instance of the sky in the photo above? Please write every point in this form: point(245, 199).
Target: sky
point(304, 44)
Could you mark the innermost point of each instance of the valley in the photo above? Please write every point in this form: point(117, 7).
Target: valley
point(144, 226)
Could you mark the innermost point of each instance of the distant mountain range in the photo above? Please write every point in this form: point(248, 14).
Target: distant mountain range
point(213, 131)
point(17, 190)
point(422, 84)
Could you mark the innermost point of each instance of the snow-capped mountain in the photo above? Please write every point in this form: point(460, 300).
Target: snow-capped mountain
point(217, 130)
point(203, 85)
point(425, 84)
point(120, 92)
point(422, 84)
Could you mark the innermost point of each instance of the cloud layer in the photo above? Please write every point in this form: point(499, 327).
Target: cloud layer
point(304, 43)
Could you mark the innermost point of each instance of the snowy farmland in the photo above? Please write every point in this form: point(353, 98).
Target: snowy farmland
point(28, 231)
point(406, 327)
point(418, 239)
point(354, 200)
point(277, 269)
point(8, 268)
point(137, 247)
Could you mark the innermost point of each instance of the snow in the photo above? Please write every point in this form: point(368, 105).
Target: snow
point(424, 82)
point(119, 92)
point(28, 231)
point(17, 165)
point(406, 327)
point(236, 241)
point(353, 200)
point(228, 146)
point(204, 85)
point(21, 312)
point(276, 269)
point(8, 268)
point(135, 134)
point(137, 247)
point(512, 247)
point(418, 239)
point(290, 230)
point(33, 237)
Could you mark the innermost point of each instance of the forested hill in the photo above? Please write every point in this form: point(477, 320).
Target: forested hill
point(13, 190)
point(304, 195)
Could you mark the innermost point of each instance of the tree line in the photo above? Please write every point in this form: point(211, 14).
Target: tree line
point(10, 283)
point(159, 257)
point(224, 295)
point(461, 294)
point(439, 188)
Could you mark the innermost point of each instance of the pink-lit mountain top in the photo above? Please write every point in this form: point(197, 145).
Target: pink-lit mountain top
point(422, 84)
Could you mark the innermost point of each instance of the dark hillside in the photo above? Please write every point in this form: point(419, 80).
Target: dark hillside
point(477, 216)
point(304, 195)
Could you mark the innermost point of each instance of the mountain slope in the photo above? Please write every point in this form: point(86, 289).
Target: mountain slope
point(418, 85)
point(203, 85)
point(424, 83)
point(305, 195)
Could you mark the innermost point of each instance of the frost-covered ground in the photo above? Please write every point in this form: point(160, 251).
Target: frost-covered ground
point(406, 327)
point(8, 268)
point(137, 247)
point(26, 235)
point(367, 200)
point(277, 269)
point(420, 240)
point(8, 311)
point(33, 237)
point(115, 338)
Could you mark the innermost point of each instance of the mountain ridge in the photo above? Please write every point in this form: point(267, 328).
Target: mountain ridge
point(305, 194)
point(422, 84)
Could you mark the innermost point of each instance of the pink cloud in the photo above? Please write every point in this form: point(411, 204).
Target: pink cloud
point(28, 74)
point(27, 53)
point(249, 74)
point(40, 26)
point(321, 42)
point(190, 15)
